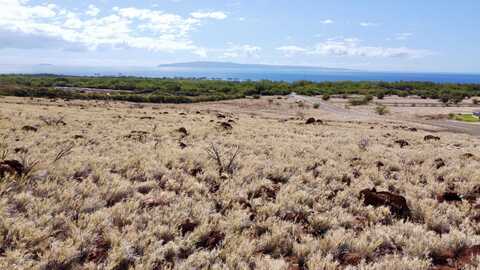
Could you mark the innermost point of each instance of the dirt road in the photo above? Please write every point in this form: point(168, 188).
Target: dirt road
point(441, 125)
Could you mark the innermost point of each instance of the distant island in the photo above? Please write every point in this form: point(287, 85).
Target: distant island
point(230, 65)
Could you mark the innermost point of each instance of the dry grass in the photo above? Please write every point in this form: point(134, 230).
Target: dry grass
point(115, 189)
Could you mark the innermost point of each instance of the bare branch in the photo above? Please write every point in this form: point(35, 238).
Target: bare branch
point(63, 153)
point(216, 154)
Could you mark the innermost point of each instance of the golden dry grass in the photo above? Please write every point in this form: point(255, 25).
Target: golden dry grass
point(126, 195)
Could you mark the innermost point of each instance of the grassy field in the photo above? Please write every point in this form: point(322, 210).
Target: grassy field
point(470, 118)
point(242, 184)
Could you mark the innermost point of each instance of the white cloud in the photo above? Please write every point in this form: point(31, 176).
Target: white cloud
point(241, 51)
point(92, 11)
point(368, 24)
point(327, 21)
point(123, 27)
point(291, 50)
point(403, 36)
point(217, 15)
point(352, 47)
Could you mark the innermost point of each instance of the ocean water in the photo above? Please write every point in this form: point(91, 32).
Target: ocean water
point(276, 74)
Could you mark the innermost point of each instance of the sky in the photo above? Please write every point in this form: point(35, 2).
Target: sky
point(407, 35)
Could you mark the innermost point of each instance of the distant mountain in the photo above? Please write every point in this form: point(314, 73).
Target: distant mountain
point(229, 65)
point(44, 65)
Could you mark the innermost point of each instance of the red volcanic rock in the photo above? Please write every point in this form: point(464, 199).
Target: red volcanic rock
point(397, 204)
point(12, 167)
point(449, 197)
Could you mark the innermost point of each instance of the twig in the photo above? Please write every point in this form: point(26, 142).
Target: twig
point(215, 154)
point(63, 153)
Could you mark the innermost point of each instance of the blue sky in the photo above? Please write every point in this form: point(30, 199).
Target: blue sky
point(428, 35)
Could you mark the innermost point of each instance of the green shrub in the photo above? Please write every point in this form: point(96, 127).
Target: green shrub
point(361, 101)
point(326, 97)
point(381, 110)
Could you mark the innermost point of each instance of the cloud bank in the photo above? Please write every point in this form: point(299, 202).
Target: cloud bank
point(353, 47)
point(120, 27)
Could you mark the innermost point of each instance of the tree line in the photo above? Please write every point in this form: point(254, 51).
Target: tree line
point(187, 90)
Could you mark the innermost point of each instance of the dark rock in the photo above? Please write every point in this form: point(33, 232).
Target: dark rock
point(431, 138)
point(269, 192)
point(466, 255)
point(12, 167)
point(23, 150)
point(468, 156)
point(188, 226)
point(442, 257)
point(439, 163)
point(153, 202)
point(386, 248)
point(449, 197)
point(182, 145)
point(379, 165)
point(226, 126)
point(295, 217)
point(450, 259)
point(183, 131)
point(397, 204)
point(99, 250)
point(402, 143)
point(29, 128)
point(310, 121)
point(350, 258)
point(211, 240)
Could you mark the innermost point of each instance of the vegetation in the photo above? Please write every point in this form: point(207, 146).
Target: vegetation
point(164, 90)
point(381, 110)
point(357, 101)
point(465, 118)
point(95, 185)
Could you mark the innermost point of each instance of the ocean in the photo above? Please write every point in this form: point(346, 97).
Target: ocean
point(275, 74)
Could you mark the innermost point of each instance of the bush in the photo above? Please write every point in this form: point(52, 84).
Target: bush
point(444, 99)
point(476, 101)
point(326, 97)
point(316, 106)
point(380, 95)
point(381, 110)
point(361, 101)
